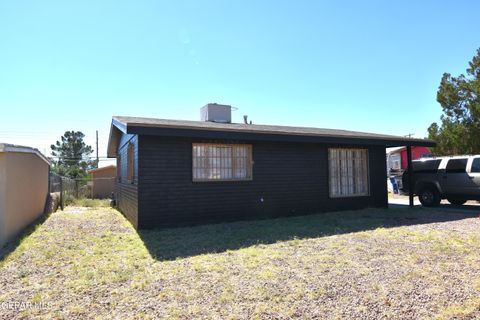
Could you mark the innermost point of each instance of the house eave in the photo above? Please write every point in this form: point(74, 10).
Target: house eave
point(269, 136)
point(245, 133)
point(116, 128)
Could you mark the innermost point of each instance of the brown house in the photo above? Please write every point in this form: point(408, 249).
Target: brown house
point(23, 188)
point(103, 182)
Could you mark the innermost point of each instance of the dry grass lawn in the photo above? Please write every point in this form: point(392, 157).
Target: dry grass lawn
point(370, 264)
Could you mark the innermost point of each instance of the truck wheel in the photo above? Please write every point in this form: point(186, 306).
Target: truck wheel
point(429, 197)
point(457, 202)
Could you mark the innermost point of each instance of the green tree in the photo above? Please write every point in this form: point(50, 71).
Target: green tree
point(460, 122)
point(71, 156)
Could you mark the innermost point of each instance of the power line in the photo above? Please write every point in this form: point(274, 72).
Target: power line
point(100, 160)
point(84, 157)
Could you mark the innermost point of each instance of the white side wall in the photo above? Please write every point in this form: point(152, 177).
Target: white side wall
point(394, 161)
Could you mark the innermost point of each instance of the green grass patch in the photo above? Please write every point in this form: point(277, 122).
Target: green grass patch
point(468, 310)
point(89, 203)
point(91, 263)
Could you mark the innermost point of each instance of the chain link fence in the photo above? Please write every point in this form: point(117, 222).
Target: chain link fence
point(66, 188)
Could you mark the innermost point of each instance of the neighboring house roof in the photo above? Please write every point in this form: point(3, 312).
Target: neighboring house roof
point(102, 168)
point(6, 147)
point(215, 130)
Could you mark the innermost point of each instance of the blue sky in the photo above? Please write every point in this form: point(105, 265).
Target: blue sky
point(357, 65)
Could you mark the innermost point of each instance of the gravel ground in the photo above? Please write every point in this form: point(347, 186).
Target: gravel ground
point(370, 264)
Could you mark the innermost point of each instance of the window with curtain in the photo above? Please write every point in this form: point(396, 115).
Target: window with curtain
point(348, 172)
point(221, 162)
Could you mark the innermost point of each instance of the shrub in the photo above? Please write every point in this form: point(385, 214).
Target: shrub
point(90, 203)
point(69, 200)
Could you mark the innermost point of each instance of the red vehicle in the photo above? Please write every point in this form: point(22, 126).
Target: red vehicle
point(397, 157)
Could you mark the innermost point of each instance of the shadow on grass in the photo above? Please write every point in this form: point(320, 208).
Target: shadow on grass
point(170, 244)
point(12, 244)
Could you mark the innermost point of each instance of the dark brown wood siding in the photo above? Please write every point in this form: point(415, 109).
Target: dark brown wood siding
point(126, 191)
point(288, 179)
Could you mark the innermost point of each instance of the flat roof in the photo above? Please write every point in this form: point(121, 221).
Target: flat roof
point(7, 147)
point(212, 130)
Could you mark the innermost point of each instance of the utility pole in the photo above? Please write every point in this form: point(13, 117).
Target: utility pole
point(96, 149)
point(410, 135)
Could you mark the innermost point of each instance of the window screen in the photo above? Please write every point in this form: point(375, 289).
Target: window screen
point(130, 163)
point(456, 166)
point(221, 162)
point(348, 172)
point(476, 165)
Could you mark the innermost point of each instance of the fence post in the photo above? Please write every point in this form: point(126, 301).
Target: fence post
point(61, 193)
point(49, 180)
point(76, 189)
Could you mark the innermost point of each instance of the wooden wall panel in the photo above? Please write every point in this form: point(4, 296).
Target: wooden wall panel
point(126, 191)
point(288, 179)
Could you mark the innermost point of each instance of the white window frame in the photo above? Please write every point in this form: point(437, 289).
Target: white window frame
point(343, 177)
point(225, 164)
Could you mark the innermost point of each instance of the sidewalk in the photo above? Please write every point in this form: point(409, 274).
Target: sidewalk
point(401, 200)
point(396, 199)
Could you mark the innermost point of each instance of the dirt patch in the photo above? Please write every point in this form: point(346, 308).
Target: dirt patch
point(370, 264)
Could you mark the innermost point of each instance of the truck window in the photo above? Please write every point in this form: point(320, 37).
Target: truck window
point(476, 165)
point(427, 166)
point(456, 166)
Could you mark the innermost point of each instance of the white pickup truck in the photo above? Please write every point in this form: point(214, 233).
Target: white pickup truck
point(456, 179)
